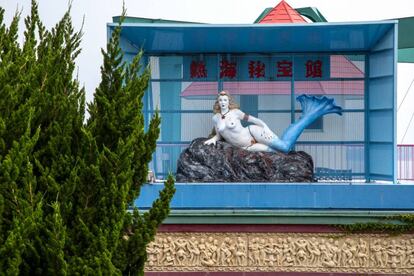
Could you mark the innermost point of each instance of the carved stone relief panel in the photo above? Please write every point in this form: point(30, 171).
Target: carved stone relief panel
point(331, 252)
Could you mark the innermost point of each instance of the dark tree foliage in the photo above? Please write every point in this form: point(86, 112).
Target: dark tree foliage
point(67, 184)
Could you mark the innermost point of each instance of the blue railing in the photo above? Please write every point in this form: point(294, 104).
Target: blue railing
point(333, 161)
point(405, 169)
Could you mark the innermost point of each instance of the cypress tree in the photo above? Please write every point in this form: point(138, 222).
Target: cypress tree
point(67, 184)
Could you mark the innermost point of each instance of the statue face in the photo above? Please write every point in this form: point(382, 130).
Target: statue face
point(223, 102)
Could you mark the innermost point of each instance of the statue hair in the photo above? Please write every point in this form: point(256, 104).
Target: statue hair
point(232, 104)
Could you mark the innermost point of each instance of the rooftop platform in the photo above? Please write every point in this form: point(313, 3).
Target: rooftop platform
point(278, 196)
point(281, 204)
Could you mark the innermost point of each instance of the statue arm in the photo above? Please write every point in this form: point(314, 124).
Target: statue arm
point(252, 119)
point(213, 140)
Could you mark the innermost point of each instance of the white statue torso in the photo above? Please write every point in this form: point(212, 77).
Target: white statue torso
point(231, 129)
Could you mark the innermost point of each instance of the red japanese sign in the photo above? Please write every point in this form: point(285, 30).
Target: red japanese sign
point(257, 69)
point(314, 68)
point(227, 69)
point(198, 69)
point(284, 68)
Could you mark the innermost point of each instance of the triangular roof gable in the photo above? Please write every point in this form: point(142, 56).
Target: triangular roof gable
point(283, 13)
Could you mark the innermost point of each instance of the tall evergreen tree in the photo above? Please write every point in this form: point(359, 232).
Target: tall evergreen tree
point(67, 184)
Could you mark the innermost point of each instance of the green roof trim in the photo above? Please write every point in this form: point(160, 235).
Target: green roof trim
point(263, 14)
point(127, 19)
point(405, 32)
point(312, 13)
point(406, 55)
point(329, 217)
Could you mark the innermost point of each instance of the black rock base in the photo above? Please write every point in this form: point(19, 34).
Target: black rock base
point(226, 163)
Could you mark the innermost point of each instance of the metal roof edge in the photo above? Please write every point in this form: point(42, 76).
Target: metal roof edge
point(268, 25)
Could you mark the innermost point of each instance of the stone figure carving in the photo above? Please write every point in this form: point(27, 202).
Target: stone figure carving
point(288, 251)
point(271, 253)
point(377, 256)
point(181, 251)
point(168, 252)
point(301, 252)
point(254, 252)
point(212, 251)
point(194, 251)
point(326, 255)
point(276, 252)
point(393, 252)
point(241, 251)
point(154, 253)
point(362, 254)
point(203, 254)
point(225, 252)
point(334, 250)
point(410, 254)
point(258, 137)
point(314, 251)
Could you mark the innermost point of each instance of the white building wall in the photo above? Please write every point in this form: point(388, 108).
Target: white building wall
point(405, 100)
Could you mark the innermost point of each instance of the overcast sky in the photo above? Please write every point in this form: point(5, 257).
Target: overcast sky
point(97, 13)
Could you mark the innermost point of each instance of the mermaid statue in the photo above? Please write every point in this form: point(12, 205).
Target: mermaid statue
point(257, 136)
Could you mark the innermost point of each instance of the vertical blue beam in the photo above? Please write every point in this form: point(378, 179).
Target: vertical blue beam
point(170, 68)
point(219, 81)
point(148, 108)
point(145, 98)
point(366, 119)
point(292, 95)
point(394, 127)
point(381, 109)
point(108, 33)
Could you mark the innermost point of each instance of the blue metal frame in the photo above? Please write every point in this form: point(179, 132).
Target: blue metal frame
point(179, 38)
point(366, 102)
point(381, 140)
point(395, 176)
point(298, 39)
point(292, 95)
point(331, 196)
